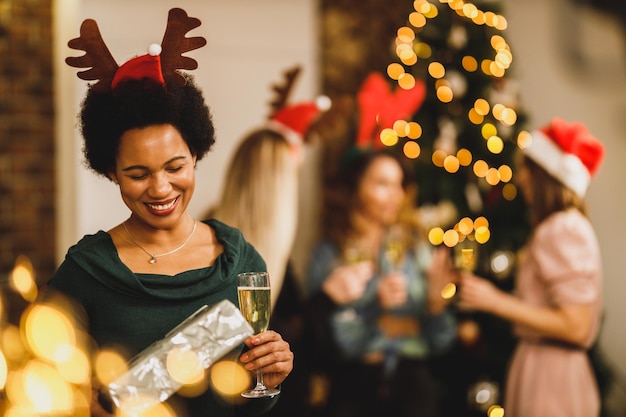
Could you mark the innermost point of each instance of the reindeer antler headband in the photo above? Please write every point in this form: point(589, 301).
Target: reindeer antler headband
point(160, 64)
point(294, 120)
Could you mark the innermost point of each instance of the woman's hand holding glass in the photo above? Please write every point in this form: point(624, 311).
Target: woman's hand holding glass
point(270, 354)
point(268, 351)
point(442, 279)
point(478, 293)
point(393, 290)
point(347, 283)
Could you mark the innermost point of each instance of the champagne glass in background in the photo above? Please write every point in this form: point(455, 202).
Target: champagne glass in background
point(355, 252)
point(253, 289)
point(465, 254)
point(395, 246)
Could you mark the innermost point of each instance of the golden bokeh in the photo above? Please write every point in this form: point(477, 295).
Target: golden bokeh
point(39, 389)
point(492, 177)
point(480, 168)
point(435, 236)
point(415, 130)
point(76, 368)
point(184, 366)
point(411, 149)
point(444, 94)
point(406, 81)
point(22, 279)
point(401, 128)
point(469, 63)
point(495, 144)
point(475, 117)
point(466, 225)
point(12, 345)
point(406, 34)
point(482, 234)
point(438, 157)
point(480, 221)
point(524, 139)
point(482, 106)
point(509, 192)
point(497, 110)
point(417, 19)
point(451, 164)
point(505, 172)
point(229, 378)
point(495, 411)
point(394, 70)
point(436, 70)
point(448, 291)
point(47, 331)
point(488, 130)
point(388, 137)
point(479, 19)
point(450, 238)
point(422, 49)
point(509, 116)
point(485, 66)
point(470, 10)
point(109, 365)
point(464, 156)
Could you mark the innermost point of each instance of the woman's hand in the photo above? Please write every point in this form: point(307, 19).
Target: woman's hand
point(270, 353)
point(440, 273)
point(478, 293)
point(393, 290)
point(347, 283)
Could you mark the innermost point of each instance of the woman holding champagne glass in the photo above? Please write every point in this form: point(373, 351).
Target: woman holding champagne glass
point(375, 294)
point(145, 126)
point(557, 304)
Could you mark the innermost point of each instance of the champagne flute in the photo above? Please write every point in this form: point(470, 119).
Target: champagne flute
point(253, 289)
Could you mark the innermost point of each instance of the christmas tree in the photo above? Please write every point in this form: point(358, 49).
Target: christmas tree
point(462, 141)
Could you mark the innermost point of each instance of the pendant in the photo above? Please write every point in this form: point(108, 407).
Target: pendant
point(152, 260)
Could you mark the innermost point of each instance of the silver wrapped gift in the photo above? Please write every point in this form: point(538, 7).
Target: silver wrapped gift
point(210, 333)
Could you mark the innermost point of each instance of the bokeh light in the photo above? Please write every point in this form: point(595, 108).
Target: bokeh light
point(229, 378)
point(395, 70)
point(435, 236)
point(388, 137)
point(184, 366)
point(450, 238)
point(411, 150)
point(47, 332)
point(22, 279)
point(449, 290)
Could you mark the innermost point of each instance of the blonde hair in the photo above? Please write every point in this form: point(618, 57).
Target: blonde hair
point(260, 198)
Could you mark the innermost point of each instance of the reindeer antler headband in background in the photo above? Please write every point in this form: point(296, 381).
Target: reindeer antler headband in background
point(294, 120)
point(160, 64)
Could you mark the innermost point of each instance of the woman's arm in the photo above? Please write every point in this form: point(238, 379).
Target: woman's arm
point(571, 323)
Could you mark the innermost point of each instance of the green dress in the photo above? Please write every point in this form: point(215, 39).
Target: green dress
point(131, 311)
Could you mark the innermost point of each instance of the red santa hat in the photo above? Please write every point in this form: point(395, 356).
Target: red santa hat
point(294, 121)
point(568, 152)
point(141, 67)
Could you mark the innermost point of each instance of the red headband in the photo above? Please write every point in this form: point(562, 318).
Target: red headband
point(160, 64)
point(380, 108)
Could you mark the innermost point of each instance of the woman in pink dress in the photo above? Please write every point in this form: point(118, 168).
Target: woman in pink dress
point(556, 307)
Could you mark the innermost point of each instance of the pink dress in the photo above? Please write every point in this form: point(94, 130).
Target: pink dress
point(562, 266)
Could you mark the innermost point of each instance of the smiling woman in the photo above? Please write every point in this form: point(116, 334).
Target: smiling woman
point(145, 125)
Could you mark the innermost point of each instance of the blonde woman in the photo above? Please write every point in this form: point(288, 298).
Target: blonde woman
point(260, 198)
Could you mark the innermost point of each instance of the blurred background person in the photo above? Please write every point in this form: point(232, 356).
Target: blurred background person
point(375, 296)
point(557, 304)
point(374, 285)
point(260, 197)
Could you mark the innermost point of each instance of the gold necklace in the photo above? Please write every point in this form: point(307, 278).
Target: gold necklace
point(153, 257)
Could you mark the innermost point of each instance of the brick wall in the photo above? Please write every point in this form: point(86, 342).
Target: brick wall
point(27, 204)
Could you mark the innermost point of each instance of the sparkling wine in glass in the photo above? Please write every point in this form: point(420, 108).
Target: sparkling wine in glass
point(254, 302)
